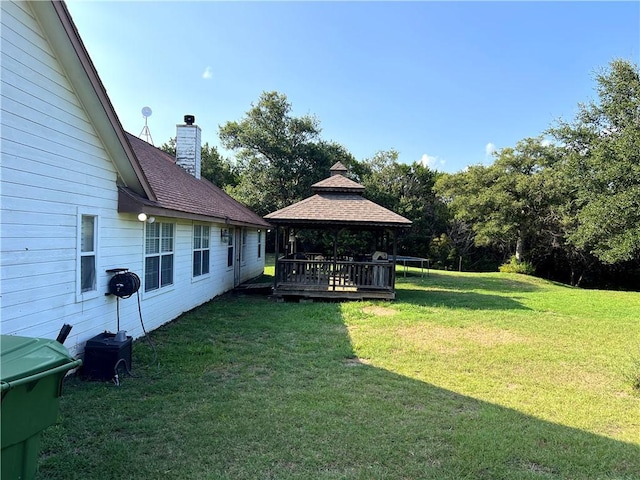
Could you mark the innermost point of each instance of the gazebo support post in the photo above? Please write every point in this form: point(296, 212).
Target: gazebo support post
point(335, 258)
point(393, 266)
point(275, 273)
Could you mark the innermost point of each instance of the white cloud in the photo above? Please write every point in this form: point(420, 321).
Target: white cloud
point(431, 162)
point(546, 142)
point(207, 74)
point(489, 148)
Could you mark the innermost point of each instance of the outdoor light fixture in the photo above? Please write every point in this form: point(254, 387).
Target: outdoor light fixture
point(224, 235)
point(143, 217)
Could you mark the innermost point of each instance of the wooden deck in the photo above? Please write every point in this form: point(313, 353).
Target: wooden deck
point(334, 279)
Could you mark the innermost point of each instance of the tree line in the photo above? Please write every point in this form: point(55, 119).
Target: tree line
point(564, 205)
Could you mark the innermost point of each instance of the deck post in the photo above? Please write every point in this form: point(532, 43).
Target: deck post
point(275, 266)
point(393, 265)
point(335, 258)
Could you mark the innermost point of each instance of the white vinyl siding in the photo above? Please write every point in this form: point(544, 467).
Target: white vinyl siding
point(55, 169)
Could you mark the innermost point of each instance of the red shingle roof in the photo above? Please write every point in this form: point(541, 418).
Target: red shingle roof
point(178, 191)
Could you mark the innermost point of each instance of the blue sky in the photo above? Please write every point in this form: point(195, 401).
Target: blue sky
point(443, 82)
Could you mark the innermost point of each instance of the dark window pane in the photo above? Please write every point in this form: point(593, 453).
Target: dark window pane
point(205, 262)
point(197, 262)
point(151, 273)
point(88, 273)
point(166, 273)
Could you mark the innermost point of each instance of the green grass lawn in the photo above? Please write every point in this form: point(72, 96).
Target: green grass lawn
point(476, 376)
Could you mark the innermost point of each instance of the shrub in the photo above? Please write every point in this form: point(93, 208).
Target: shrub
point(514, 266)
point(633, 374)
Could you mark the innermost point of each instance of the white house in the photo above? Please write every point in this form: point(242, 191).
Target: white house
point(80, 197)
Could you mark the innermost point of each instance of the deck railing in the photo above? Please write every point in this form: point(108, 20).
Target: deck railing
point(334, 275)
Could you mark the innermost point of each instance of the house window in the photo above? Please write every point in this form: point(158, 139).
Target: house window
point(230, 248)
point(200, 250)
point(158, 261)
point(243, 247)
point(88, 240)
point(259, 243)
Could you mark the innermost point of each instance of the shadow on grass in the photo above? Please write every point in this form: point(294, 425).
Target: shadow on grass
point(458, 299)
point(250, 389)
point(472, 281)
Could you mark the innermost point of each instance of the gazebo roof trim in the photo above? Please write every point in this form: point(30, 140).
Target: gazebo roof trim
point(337, 183)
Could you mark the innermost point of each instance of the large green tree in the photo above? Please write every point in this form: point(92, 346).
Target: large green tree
point(408, 190)
point(279, 155)
point(602, 166)
point(510, 203)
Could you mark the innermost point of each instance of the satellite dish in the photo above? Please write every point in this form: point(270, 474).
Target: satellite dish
point(146, 133)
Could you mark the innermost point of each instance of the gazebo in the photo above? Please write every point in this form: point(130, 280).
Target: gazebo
point(336, 206)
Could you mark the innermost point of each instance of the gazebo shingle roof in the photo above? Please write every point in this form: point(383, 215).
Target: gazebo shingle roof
point(338, 200)
point(337, 183)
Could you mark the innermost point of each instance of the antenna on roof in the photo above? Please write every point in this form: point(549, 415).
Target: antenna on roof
point(146, 133)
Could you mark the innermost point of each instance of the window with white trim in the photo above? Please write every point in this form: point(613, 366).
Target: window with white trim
point(243, 246)
point(259, 243)
point(201, 252)
point(230, 236)
point(88, 252)
point(158, 256)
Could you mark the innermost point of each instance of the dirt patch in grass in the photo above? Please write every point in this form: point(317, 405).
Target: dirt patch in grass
point(452, 339)
point(379, 311)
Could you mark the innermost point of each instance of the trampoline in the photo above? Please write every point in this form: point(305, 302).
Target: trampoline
point(408, 260)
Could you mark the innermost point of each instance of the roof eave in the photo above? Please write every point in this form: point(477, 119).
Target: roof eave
point(129, 202)
point(338, 223)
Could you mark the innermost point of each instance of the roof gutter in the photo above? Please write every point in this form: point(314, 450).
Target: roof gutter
point(128, 202)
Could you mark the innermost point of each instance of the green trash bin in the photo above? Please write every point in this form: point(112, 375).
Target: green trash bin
point(31, 374)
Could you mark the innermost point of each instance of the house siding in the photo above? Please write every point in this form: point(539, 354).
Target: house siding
point(252, 266)
point(53, 163)
point(54, 168)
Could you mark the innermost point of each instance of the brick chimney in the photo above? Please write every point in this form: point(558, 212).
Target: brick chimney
point(188, 143)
